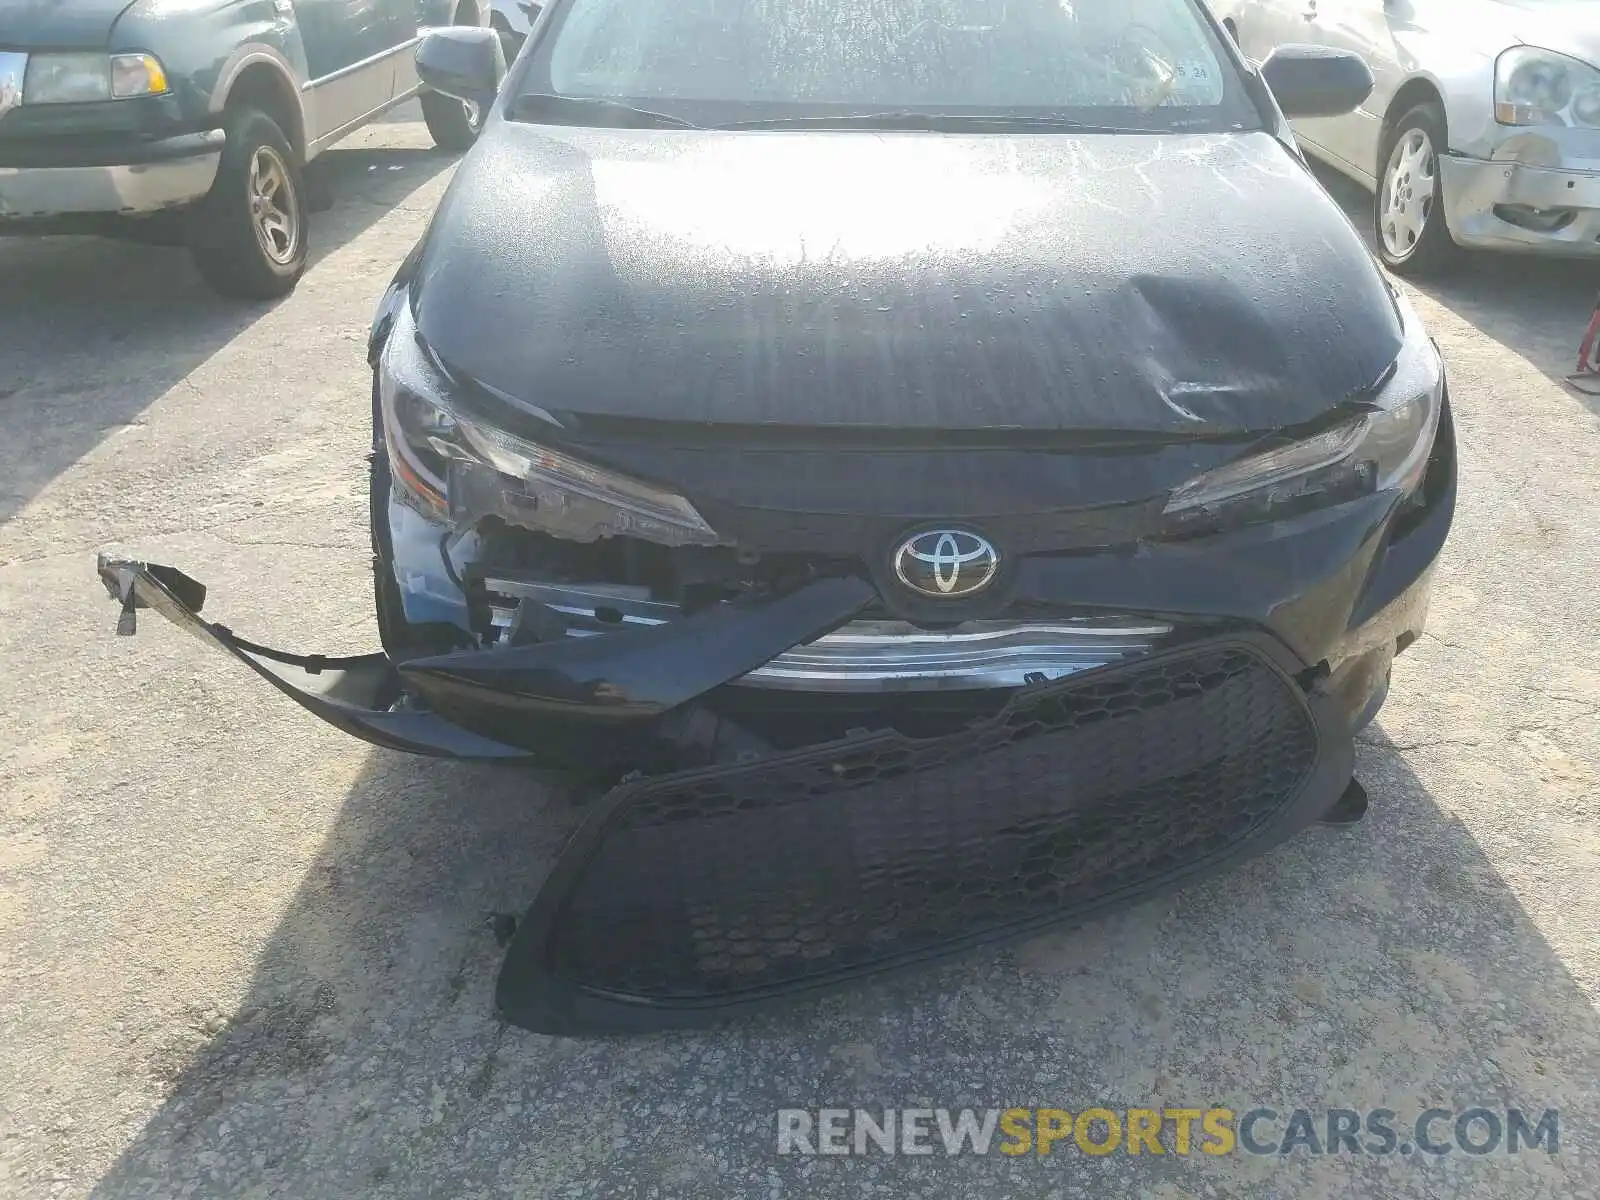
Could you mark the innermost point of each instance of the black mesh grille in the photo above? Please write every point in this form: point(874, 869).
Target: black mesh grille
point(769, 875)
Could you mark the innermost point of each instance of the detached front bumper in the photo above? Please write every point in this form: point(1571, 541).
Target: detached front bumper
point(47, 178)
point(767, 872)
point(1503, 205)
point(694, 893)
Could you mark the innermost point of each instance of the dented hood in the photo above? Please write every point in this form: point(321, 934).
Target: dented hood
point(1175, 284)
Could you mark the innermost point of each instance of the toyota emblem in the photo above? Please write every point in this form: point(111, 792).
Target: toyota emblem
point(948, 563)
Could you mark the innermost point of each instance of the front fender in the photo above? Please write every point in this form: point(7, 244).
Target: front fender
point(281, 51)
point(205, 47)
point(397, 293)
point(1463, 75)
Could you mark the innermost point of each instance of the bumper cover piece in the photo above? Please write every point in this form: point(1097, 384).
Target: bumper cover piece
point(686, 896)
point(643, 671)
point(638, 673)
point(1474, 188)
point(360, 695)
point(131, 179)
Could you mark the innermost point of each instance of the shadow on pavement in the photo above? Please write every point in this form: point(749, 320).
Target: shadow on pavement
point(93, 331)
point(1384, 966)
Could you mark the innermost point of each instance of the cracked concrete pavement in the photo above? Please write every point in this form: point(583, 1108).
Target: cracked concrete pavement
point(242, 955)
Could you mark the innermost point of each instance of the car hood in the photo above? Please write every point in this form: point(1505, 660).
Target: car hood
point(1186, 285)
point(1559, 25)
point(60, 24)
point(1491, 26)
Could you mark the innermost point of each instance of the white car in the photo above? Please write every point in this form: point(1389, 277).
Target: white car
point(1483, 129)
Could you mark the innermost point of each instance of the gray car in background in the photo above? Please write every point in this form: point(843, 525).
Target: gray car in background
point(1483, 129)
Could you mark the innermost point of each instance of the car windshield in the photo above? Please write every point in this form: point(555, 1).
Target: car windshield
point(1134, 64)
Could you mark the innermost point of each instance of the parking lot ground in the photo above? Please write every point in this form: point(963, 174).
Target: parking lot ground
point(242, 955)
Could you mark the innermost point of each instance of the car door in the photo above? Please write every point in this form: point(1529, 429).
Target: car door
point(350, 54)
point(1367, 28)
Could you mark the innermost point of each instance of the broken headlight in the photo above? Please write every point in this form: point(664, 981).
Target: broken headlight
point(461, 469)
point(1385, 448)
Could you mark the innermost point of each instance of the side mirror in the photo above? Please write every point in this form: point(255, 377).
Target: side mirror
point(1317, 81)
point(530, 8)
point(464, 61)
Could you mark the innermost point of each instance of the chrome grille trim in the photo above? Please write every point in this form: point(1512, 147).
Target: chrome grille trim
point(870, 656)
point(874, 655)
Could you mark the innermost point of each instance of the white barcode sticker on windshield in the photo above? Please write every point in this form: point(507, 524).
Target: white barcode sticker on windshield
point(1196, 83)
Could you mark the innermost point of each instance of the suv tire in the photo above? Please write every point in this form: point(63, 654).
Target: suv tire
point(248, 236)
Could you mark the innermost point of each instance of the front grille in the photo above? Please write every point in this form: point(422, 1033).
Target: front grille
point(707, 886)
point(868, 655)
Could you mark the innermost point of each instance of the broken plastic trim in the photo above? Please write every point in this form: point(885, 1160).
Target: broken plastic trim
point(362, 694)
point(534, 992)
point(357, 694)
point(862, 657)
point(642, 671)
point(634, 674)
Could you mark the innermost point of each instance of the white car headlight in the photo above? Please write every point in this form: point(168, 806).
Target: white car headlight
point(1540, 87)
point(1384, 449)
point(460, 469)
point(83, 78)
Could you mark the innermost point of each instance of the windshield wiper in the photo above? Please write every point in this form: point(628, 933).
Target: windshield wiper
point(592, 110)
point(942, 122)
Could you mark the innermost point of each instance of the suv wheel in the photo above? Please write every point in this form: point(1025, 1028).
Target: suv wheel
point(1408, 210)
point(248, 236)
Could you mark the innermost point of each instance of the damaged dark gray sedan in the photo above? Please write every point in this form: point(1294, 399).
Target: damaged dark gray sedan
point(947, 463)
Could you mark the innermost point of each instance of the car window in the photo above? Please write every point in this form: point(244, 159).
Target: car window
point(1127, 56)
